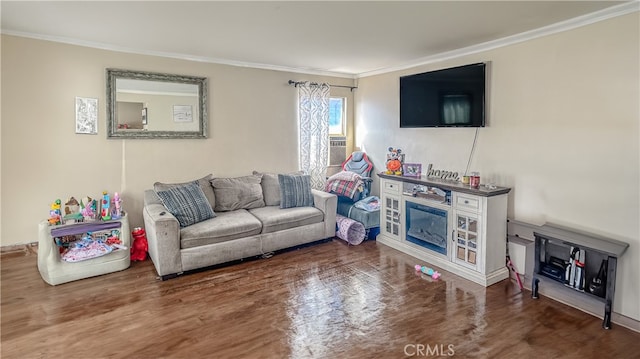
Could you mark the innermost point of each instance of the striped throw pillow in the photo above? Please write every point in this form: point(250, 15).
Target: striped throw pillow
point(187, 203)
point(295, 191)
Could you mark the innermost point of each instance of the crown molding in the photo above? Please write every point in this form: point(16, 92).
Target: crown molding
point(614, 11)
point(178, 56)
point(608, 13)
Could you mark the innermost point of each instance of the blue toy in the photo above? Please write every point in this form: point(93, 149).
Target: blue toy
point(428, 271)
point(105, 213)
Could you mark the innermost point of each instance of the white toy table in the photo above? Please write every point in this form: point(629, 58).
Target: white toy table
point(56, 271)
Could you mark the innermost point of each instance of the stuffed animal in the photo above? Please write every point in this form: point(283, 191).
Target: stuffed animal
point(140, 245)
point(395, 158)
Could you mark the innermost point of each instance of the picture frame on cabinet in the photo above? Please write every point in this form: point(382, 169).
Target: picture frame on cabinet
point(411, 170)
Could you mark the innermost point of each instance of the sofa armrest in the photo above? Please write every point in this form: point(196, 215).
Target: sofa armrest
point(163, 235)
point(328, 204)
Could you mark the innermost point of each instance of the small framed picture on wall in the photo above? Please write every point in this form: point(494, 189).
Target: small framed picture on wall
point(87, 115)
point(411, 169)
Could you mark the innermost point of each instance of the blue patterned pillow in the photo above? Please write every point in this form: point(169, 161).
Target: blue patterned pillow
point(187, 203)
point(295, 191)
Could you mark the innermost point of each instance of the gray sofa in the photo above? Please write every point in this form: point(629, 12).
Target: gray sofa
point(248, 222)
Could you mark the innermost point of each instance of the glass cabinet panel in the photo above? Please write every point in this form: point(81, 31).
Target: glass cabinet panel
point(392, 216)
point(467, 239)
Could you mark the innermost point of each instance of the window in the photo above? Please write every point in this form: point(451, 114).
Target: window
point(337, 115)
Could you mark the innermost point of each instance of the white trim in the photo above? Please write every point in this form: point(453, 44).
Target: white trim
point(444, 263)
point(614, 11)
point(108, 47)
point(566, 25)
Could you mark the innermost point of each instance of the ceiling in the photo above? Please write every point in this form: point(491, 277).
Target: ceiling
point(344, 38)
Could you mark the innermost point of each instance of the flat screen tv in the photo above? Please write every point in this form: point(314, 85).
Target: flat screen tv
point(453, 97)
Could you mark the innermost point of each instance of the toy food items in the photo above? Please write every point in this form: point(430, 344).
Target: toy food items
point(394, 161)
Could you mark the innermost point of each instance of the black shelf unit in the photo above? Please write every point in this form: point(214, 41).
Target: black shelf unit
point(553, 242)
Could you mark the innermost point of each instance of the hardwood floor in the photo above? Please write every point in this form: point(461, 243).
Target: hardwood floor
point(325, 301)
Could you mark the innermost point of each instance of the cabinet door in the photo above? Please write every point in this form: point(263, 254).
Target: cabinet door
point(467, 240)
point(391, 216)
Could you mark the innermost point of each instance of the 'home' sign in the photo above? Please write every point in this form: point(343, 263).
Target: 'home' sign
point(446, 175)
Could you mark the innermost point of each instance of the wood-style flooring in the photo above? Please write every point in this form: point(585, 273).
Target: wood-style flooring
point(329, 300)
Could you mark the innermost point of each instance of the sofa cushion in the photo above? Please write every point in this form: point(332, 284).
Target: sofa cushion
point(237, 193)
point(224, 227)
point(271, 187)
point(295, 191)
point(187, 203)
point(203, 182)
point(275, 219)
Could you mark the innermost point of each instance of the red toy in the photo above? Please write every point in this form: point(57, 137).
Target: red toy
point(140, 245)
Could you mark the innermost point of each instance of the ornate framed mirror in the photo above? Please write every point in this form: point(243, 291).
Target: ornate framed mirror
point(155, 105)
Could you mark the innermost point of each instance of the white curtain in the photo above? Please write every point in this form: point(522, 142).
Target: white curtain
point(313, 113)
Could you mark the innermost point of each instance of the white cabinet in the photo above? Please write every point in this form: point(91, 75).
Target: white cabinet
point(476, 239)
point(390, 215)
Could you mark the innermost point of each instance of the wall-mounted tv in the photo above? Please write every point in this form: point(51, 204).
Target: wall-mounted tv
point(453, 97)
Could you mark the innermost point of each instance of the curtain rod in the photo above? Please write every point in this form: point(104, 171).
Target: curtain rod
point(296, 83)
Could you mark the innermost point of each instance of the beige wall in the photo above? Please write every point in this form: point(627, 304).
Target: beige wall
point(252, 126)
point(563, 132)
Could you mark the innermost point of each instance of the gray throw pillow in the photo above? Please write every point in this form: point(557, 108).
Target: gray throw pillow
point(271, 187)
point(295, 191)
point(203, 182)
point(239, 192)
point(187, 203)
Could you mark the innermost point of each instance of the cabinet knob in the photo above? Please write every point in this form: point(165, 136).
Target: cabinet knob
point(466, 201)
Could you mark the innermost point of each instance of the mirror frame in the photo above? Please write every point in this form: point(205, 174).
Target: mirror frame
point(112, 126)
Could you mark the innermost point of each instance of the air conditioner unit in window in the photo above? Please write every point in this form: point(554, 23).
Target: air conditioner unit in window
point(337, 154)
